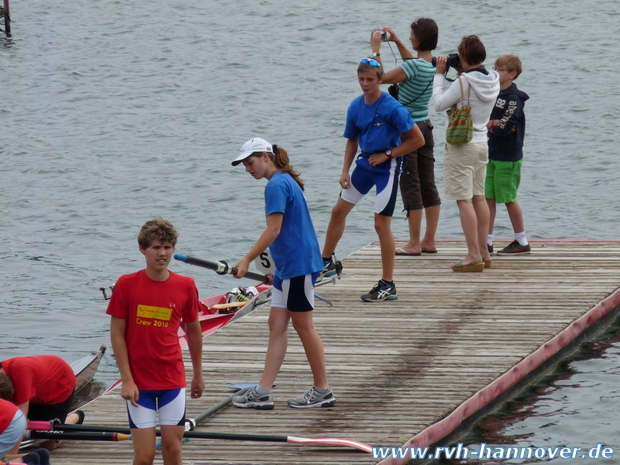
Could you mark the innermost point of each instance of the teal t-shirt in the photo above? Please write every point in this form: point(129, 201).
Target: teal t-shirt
point(416, 91)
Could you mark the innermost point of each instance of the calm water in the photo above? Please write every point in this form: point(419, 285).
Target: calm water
point(113, 112)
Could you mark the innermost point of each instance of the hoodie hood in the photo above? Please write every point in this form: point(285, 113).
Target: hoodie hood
point(486, 86)
point(514, 90)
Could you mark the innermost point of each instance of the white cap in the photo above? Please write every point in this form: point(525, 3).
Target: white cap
point(252, 146)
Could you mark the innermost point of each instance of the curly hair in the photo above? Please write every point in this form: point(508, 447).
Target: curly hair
point(157, 228)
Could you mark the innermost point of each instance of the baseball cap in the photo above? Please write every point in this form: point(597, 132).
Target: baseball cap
point(252, 146)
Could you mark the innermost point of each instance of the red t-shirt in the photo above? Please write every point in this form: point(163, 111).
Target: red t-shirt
point(7, 413)
point(41, 379)
point(154, 311)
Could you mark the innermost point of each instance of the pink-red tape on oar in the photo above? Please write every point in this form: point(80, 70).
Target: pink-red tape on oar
point(56, 428)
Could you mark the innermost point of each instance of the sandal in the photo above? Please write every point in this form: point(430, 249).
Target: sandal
point(476, 266)
point(488, 261)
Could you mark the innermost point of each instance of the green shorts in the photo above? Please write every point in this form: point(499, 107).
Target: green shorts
point(502, 182)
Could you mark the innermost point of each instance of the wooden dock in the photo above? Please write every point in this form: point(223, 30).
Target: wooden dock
point(396, 367)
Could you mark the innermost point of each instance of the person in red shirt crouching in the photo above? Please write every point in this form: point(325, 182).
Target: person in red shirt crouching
point(42, 386)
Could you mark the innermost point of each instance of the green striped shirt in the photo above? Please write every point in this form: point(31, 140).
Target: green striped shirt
point(415, 92)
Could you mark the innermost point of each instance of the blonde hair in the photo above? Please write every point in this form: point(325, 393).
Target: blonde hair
point(510, 63)
point(367, 67)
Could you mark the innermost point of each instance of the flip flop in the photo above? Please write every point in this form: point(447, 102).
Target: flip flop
point(400, 251)
point(429, 251)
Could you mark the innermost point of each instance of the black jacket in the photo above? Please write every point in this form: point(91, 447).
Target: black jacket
point(506, 140)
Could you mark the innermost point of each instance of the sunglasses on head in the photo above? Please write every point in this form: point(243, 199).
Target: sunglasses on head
point(371, 62)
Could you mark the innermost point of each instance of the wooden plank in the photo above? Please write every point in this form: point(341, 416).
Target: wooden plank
point(395, 367)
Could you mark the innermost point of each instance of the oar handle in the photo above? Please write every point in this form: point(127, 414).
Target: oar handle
point(81, 435)
point(41, 425)
point(220, 267)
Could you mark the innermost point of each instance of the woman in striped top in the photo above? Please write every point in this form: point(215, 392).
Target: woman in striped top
point(417, 182)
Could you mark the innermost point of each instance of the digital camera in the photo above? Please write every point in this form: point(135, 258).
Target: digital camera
point(384, 35)
point(452, 62)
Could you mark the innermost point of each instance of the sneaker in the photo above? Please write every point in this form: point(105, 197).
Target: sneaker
point(490, 248)
point(380, 292)
point(251, 399)
point(514, 248)
point(312, 398)
point(331, 268)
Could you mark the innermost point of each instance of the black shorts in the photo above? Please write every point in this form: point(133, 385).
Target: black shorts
point(38, 412)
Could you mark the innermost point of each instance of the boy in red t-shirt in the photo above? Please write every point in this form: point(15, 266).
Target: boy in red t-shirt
point(147, 308)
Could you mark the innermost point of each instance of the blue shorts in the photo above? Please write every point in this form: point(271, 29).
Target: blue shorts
point(169, 404)
point(13, 433)
point(295, 294)
point(387, 189)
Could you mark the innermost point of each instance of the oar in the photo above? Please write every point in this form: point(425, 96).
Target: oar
point(225, 268)
point(220, 267)
point(86, 435)
point(217, 407)
point(102, 433)
point(190, 424)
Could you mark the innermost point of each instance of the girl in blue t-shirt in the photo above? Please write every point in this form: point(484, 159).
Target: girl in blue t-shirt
point(292, 240)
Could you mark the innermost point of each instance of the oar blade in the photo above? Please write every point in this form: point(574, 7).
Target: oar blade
point(332, 442)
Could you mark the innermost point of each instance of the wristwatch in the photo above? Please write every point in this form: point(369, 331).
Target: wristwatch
point(388, 152)
point(375, 54)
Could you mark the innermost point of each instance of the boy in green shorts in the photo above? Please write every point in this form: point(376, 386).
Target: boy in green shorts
point(506, 132)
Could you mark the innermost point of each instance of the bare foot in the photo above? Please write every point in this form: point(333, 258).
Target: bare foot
point(408, 251)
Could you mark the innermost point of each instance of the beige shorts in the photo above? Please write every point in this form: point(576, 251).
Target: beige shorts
point(464, 170)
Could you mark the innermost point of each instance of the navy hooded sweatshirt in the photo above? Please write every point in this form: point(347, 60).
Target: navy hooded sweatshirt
point(504, 143)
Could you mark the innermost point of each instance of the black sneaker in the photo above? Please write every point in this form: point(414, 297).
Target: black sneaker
point(490, 248)
point(331, 268)
point(514, 248)
point(380, 292)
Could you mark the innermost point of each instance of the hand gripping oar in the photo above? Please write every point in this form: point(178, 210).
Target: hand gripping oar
point(220, 267)
point(224, 268)
point(47, 430)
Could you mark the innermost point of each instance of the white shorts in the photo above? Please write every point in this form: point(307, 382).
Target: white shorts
point(295, 294)
point(169, 404)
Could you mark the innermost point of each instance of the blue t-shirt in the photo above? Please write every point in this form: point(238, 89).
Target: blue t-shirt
point(296, 250)
point(377, 128)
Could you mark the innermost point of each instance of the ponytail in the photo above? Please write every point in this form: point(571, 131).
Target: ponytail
point(281, 161)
